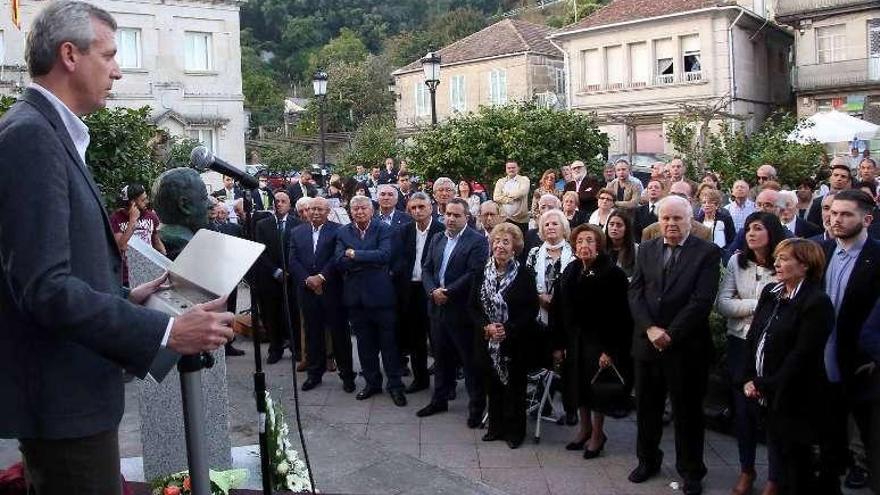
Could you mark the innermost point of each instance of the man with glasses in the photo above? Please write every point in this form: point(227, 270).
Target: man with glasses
point(586, 186)
point(490, 216)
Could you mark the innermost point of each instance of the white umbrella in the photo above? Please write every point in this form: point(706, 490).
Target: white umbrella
point(833, 127)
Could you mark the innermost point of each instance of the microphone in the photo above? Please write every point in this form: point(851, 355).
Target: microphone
point(202, 160)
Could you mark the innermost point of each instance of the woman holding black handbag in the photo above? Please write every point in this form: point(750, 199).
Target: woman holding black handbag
point(592, 346)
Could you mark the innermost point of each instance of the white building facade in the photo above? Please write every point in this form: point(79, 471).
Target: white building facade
point(180, 58)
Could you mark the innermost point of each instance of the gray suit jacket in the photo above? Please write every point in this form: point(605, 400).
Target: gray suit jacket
point(65, 328)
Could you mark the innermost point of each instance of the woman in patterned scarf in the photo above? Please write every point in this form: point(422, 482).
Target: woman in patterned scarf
point(504, 304)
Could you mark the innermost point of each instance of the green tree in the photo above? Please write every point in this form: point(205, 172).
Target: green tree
point(345, 48)
point(476, 145)
point(283, 157)
point(355, 91)
point(445, 29)
point(734, 154)
point(121, 150)
point(375, 140)
point(263, 95)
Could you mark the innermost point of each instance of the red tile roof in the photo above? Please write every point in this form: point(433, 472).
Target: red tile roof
point(506, 37)
point(631, 10)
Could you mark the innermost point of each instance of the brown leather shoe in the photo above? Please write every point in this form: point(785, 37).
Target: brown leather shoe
point(771, 488)
point(745, 484)
point(301, 365)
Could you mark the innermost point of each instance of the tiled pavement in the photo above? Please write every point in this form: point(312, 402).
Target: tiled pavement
point(374, 447)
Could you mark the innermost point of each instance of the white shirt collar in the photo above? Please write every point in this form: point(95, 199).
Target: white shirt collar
point(76, 128)
point(427, 228)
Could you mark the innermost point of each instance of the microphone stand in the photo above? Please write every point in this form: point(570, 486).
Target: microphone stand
point(288, 322)
point(259, 376)
point(190, 369)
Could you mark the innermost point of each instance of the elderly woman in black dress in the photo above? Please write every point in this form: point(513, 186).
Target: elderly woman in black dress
point(504, 305)
point(589, 342)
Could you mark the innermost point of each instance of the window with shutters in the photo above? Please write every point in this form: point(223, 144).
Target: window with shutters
point(664, 62)
point(831, 43)
point(690, 48)
point(128, 48)
point(203, 135)
point(614, 67)
point(198, 48)
point(422, 100)
point(498, 86)
point(457, 100)
point(592, 76)
point(639, 65)
point(559, 78)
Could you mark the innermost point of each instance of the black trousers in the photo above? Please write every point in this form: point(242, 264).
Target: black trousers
point(452, 338)
point(374, 329)
point(507, 403)
point(413, 330)
point(684, 377)
point(320, 318)
point(272, 312)
point(835, 455)
point(75, 466)
point(796, 474)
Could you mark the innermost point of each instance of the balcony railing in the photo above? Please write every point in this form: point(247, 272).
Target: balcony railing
point(841, 74)
point(794, 7)
point(659, 80)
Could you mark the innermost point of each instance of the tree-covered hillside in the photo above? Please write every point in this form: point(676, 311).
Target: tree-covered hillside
point(285, 41)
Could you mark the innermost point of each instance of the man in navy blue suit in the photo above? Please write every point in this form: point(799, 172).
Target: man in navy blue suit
point(388, 212)
point(363, 251)
point(453, 259)
point(318, 285)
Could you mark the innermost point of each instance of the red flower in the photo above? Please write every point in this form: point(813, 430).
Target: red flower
point(171, 490)
point(187, 484)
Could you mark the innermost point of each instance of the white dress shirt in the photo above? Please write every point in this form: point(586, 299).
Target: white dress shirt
point(421, 240)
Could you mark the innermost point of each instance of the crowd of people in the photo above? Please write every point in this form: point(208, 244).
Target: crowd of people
point(598, 275)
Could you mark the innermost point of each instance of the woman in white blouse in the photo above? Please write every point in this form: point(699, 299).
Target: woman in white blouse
point(741, 284)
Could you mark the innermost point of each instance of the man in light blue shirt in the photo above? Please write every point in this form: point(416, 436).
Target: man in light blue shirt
point(452, 261)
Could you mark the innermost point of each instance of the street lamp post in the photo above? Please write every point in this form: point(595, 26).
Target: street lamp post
point(431, 67)
point(319, 84)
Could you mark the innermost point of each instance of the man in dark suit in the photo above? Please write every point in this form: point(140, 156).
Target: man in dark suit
point(869, 343)
point(388, 212)
point(788, 215)
point(262, 197)
point(388, 175)
point(412, 303)
point(404, 189)
point(67, 326)
point(646, 214)
point(671, 296)
point(586, 186)
point(453, 259)
point(852, 281)
point(303, 188)
point(363, 251)
point(316, 278)
point(841, 178)
point(274, 232)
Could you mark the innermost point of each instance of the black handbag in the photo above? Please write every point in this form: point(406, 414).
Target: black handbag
point(610, 393)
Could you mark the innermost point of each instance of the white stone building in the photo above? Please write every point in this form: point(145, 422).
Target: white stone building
point(180, 57)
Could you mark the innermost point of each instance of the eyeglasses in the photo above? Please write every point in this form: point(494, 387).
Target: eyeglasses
point(605, 198)
point(763, 205)
point(762, 178)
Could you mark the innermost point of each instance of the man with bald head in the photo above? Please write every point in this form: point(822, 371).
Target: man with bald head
point(490, 216)
point(682, 190)
point(672, 344)
point(740, 206)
